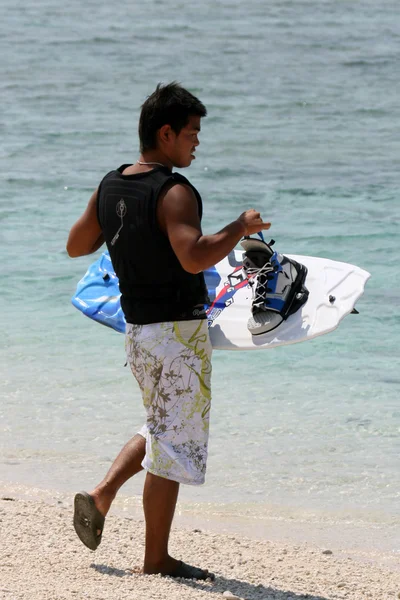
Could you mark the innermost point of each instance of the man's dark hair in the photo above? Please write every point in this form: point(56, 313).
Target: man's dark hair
point(169, 104)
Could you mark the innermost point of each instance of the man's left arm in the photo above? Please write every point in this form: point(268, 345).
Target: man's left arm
point(86, 236)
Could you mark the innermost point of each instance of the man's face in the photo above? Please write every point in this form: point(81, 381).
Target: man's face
point(185, 143)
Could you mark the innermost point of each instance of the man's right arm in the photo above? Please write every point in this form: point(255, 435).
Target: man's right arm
point(179, 219)
point(86, 236)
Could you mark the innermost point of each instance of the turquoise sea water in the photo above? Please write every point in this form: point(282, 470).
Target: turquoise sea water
point(303, 125)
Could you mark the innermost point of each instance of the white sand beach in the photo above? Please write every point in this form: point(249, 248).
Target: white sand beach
point(42, 559)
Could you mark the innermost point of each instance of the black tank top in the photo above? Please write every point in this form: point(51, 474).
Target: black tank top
point(154, 286)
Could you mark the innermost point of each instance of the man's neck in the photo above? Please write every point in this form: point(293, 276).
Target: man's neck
point(155, 158)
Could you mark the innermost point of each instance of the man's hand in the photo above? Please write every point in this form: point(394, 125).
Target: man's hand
point(252, 222)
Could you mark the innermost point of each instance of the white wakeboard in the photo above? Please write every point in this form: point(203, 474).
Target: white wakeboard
point(334, 288)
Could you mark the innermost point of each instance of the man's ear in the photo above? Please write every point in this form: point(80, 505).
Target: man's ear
point(164, 133)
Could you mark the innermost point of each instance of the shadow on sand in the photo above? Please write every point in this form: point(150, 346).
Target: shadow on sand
point(250, 591)
point(241, 589)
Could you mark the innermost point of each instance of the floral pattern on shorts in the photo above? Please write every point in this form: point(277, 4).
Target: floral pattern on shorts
point(172, 364)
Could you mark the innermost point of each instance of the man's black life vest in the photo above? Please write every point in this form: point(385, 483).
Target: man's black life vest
point(154, 286)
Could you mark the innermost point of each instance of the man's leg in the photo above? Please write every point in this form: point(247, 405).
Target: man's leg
point(127, 464)
point(173, 370)
point(90, 509)
point(159, 501)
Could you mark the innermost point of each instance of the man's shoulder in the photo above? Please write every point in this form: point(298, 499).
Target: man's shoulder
point(179, 191)
point(117, 171)
point(178, 178)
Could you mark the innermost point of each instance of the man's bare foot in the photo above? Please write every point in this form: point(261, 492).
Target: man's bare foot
point(177, 568)
point(165, 566)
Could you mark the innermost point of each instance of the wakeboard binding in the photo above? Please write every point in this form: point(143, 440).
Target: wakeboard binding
point(278, 285)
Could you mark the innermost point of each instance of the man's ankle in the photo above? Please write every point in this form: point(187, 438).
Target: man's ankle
point(164, 565)
point(103, 497)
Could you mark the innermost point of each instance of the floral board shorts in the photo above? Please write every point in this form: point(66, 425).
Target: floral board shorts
point(172, 364)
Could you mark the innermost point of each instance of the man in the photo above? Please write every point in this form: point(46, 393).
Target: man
point(150, 219)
